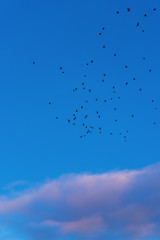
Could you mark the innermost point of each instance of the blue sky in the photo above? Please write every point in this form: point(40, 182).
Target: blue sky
point(35, 147)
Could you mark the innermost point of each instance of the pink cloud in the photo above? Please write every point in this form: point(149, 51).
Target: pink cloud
point(83, 226)
point(123, 202)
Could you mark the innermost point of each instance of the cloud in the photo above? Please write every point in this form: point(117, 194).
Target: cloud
point(118, 203)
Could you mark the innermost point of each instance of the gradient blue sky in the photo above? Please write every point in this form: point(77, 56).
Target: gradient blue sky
point(34, 145)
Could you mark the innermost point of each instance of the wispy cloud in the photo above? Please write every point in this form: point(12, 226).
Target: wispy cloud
point(122, 203)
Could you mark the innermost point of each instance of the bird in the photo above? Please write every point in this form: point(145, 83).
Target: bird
point(154, 9)
point(100, 33)
point(103, 28)
point(126, 66)
point(143, 30)
point(60, 68)
point(117, 12)
point(33, 62)
point(91, 61)
point(128, 9)
point(115, 54)
point(102, 80)
point(137, 24)
point(49, 103)
point(104, 46)
point(145, 15)
point(126, 83)
point(69, 121)
point(134, 79)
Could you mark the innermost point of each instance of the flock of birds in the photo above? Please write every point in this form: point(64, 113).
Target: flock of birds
point(88, 127)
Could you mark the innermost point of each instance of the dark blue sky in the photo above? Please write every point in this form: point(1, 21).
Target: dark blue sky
point(65, 33)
